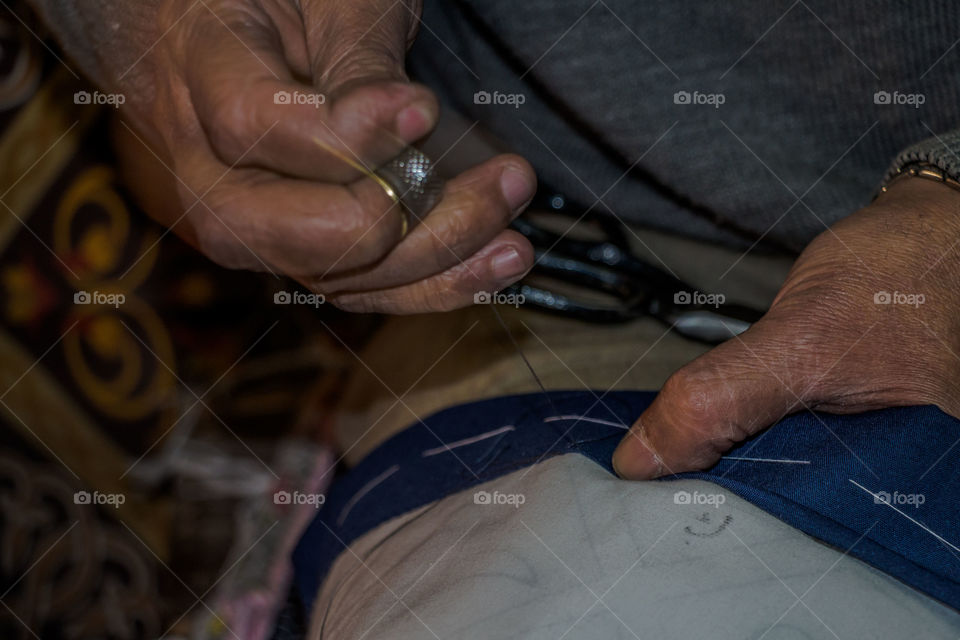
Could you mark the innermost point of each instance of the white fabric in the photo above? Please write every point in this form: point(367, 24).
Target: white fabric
point(457, 569)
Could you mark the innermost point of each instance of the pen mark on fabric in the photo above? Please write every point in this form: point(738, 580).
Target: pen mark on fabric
point(706, 518)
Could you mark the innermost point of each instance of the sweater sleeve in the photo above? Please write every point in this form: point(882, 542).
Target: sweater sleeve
point(106, 39)
point(941, 150)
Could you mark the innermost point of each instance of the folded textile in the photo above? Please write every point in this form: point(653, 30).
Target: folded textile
point(881, 484)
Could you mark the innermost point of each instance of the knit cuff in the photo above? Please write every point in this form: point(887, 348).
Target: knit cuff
point(103, 38)
point(942, 151)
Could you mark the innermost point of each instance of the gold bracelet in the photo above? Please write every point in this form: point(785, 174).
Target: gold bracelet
point(922, 170)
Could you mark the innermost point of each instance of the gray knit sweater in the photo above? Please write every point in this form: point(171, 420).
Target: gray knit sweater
point(733, 121)
point(727, 119)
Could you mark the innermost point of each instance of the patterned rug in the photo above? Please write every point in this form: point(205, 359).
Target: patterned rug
point(146, 395)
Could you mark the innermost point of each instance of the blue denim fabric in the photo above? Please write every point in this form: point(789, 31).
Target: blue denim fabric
point(902, 452)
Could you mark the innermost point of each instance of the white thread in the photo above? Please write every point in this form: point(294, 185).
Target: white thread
point(586, 419)
point(767, 460)
point(364, 490)
point(876, 497)
point(466, 441)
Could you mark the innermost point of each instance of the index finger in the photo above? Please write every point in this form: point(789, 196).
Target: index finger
point(255, 113)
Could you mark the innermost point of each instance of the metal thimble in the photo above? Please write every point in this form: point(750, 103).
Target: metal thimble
point(414, 180)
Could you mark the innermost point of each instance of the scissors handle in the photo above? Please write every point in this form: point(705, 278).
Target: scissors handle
point(709, 324)
point(638, 287)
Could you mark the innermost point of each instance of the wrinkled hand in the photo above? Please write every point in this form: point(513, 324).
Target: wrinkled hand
point(203, 99)
point(867, 318)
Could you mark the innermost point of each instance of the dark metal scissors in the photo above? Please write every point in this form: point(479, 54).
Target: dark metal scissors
point(600, 279)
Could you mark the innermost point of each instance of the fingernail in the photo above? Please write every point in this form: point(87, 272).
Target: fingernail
point(415, 121)
point(507, 266)
point(517, 188)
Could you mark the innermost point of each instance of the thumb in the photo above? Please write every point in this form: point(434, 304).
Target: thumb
point(724, 396)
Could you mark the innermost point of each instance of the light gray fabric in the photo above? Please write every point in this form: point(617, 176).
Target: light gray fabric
point(799, 81)
point(457, 569)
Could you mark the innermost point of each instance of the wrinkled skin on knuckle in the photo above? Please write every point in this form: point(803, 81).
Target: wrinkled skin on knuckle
point(376, 59)
point(345, 48)
point(693, 400)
